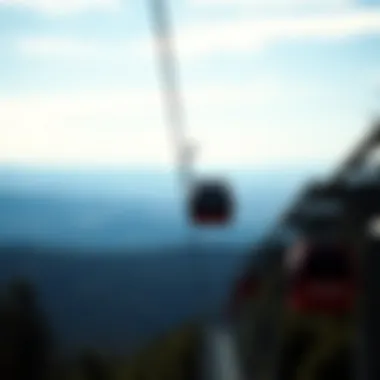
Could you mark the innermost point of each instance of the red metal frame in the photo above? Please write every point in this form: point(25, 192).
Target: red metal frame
point(315, 297)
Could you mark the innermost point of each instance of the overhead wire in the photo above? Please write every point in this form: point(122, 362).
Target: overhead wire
point(171, 91)
point(176, 119)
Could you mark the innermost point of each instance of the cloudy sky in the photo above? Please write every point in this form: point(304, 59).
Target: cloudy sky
point(264, 81)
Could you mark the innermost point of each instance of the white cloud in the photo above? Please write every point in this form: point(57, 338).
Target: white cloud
point(74, 49)
point(82, 128)
point(128, 128)
point(246, 35)
point(57, 47)
point(252, 33)
point(275, 4)
point(137, 100)
point(45, 144)
point(215, 37)
point(57, 7)
point(110, 127)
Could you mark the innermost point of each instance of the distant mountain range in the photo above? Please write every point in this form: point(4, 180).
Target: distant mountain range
point(128, 209)
point(110, 252)
point(119, 301)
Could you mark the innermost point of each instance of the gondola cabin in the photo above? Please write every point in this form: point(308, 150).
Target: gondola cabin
point(321, 278)
point(211, 204)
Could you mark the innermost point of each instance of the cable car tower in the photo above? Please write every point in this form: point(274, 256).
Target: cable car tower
point(351, 218)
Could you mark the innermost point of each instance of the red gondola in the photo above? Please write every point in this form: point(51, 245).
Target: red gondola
point(322, 278)
point(211, 203)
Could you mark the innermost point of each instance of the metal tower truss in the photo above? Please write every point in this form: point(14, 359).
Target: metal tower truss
point(345, 205)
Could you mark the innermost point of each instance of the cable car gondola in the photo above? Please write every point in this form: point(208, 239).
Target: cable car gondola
point(211, 203)
point(322, 278)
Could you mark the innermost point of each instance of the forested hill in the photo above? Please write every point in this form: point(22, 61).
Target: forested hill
point(119, 301)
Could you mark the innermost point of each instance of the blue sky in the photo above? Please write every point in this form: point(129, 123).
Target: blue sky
point(269, 81)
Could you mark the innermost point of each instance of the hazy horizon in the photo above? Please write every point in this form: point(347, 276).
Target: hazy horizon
point(120, 208)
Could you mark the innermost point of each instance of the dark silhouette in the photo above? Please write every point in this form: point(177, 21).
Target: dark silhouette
point(27, 339)
point(94, 367)
point(27, 351)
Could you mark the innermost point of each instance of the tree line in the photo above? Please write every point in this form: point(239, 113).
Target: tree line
point(29, 349)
